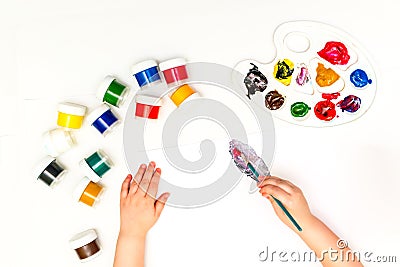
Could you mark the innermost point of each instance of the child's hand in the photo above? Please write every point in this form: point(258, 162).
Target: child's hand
point(290, 196)
point(139, 208)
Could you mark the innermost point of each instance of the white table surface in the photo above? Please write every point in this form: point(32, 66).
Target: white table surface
point(52, 51)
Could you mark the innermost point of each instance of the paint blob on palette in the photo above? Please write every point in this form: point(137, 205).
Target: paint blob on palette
point(320, 76)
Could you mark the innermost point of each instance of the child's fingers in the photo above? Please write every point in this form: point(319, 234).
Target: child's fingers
point(277, 192)
point(262, 180)
point(153, 187)
point(284, 184)
point(160, 203)
point(139, 174)
point(276, 207)
point(138, 178)
point(144, 183)
point(266, 179)
point(279, 212)
point(125, 186)
point(289, 183)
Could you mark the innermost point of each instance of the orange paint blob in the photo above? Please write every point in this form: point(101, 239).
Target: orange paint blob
point(326, 77)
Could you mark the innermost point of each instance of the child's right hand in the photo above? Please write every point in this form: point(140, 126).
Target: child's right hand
point(291, 197)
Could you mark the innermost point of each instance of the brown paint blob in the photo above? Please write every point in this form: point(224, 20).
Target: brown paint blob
point(274, 100)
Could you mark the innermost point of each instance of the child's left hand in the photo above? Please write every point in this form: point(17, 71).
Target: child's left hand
point(139, 208)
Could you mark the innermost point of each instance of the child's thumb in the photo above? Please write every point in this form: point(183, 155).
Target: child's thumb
point(275, 206)
point(160, 203)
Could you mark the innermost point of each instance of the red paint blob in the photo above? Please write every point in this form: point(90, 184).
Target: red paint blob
point(335, 53)
point(331, 96)
point(175, 74)
point(147, 111)
point(236, 153)
point(325, 110)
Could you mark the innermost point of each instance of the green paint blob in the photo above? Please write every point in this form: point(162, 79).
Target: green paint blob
point(99, 163)
point(299, 109)
point(115, 93)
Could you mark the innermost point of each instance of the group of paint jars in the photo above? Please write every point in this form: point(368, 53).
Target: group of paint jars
point(147, 74)
point(71, 117)
point(49, 170)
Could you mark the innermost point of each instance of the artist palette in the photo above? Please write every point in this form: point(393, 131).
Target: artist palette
point(320, 76)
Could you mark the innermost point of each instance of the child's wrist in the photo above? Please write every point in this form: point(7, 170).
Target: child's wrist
point(132, 236)
point(308, 223)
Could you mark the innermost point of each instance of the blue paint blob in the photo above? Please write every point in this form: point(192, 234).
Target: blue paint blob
point(359, 78)
point(105, 121)
point(147, 76)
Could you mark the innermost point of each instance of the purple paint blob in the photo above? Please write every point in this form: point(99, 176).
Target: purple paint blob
point(304, 76)
point(350, 103)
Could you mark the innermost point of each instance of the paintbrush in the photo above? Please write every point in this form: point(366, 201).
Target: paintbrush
point(242, 154)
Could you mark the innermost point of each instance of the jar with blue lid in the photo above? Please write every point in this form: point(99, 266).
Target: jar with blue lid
point(103, 119)
point(146, 73)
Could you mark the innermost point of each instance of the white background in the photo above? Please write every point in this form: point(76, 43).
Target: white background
point(59, 50)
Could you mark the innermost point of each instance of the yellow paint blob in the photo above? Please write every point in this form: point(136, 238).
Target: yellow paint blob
point(181, 94)
point(91, 193)
point(69, 120)
point(326, 77)
point(283, 71)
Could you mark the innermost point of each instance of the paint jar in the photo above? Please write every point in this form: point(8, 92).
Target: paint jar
point(49, 171)
point(70, 115)
point(57, 141)
point(86, 245)
point(112, 92)
point(183, 93)
point(147, 107)
point(88, 192)
point(103, 119)
point(174, 70)
point(96, 165)
point(146, 73)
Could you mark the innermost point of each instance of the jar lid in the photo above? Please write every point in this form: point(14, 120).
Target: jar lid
point(104, 156)
point(102, 89)
point(57, 141)
point(148, 100)
point(72, 108)
point(42, 165)
point(97, 112)
point(83, 238)
point(172, 63)
point(80, 188)
point(144, 65)
point(48, 145)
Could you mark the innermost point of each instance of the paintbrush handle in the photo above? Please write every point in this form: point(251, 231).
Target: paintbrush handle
point(287, 213)
point(254, 171)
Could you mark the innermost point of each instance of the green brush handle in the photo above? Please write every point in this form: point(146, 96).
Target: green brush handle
point(253, 170)
point(287, 213)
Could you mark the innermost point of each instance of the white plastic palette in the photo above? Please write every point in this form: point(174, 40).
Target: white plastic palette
point(300, 42)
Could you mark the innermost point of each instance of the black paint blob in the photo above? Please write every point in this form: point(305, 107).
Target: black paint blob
point(255, 81)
